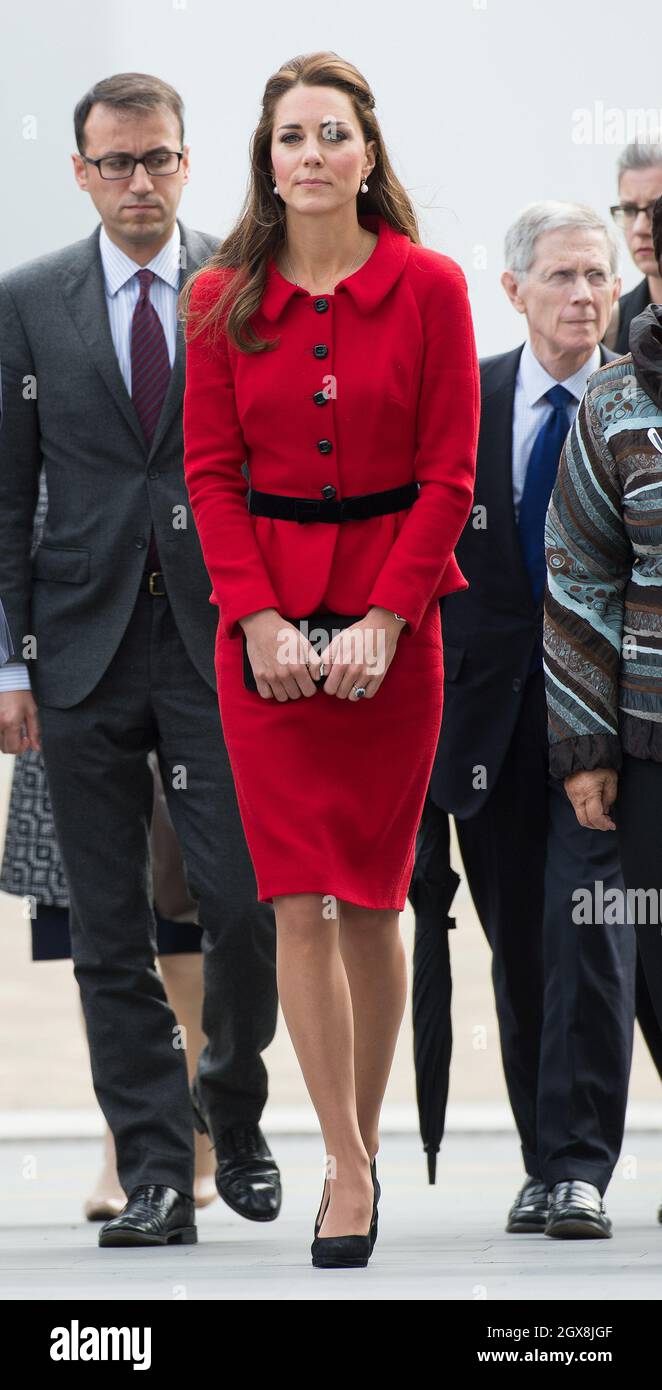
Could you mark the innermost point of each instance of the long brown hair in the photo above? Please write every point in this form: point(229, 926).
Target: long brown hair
point(261, 226)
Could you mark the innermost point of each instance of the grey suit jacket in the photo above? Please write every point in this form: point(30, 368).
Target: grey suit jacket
point(66, 408)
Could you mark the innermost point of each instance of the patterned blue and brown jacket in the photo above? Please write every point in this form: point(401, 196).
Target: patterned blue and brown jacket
point(603, 541)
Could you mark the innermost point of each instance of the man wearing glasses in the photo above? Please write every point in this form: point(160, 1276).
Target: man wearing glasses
point(639, 186)
point(112, 618)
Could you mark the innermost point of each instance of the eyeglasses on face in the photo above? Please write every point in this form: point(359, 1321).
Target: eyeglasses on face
point(625, 213)
point(122, 166)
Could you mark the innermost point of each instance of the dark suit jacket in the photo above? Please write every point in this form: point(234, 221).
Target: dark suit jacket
point(629, 306)
point(66, 409)
point(490, 629)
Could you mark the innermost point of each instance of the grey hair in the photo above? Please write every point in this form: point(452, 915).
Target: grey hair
point(550, 216)
point(642, 154)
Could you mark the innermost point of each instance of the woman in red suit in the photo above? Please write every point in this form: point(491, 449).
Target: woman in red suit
point(333, 355)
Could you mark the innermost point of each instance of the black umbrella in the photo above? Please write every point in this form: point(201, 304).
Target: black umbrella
point(431, 892)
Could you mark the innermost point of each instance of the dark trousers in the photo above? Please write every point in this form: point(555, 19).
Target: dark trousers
point(638, 816)
point(564, 992)
point(101, 790)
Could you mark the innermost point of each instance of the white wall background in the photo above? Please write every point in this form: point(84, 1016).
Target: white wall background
point(476, 99)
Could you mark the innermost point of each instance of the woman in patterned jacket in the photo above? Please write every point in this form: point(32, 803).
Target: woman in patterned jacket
point(603, 622)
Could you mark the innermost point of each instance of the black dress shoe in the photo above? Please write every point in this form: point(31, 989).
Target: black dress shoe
point(247, 1175)
point(577, 1210)
point(530, 1209)
point(153, 1215)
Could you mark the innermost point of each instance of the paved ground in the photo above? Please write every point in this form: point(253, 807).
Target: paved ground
point(435, 1243)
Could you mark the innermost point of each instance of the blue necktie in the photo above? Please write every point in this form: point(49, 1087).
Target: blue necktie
point(538, 485)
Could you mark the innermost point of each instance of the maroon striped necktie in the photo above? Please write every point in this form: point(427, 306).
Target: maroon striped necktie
point(150, 374)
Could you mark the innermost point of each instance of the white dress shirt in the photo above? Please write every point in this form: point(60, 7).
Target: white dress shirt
point(530, 410)
point(122, 293)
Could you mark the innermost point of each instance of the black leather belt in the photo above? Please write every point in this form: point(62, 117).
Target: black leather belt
point(149, 583)
point(359, 508)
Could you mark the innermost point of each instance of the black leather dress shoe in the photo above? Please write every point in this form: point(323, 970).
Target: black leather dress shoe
point(530, 1209)
point(577, 1211)
point(247, 1175)
point(153, 1215)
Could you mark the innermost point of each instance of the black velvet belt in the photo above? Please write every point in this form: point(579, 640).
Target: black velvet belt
point(359, 508)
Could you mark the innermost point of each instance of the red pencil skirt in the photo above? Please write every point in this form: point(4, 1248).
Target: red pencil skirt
point(331, 791)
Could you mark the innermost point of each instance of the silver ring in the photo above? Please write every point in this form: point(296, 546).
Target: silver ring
point(359, 691)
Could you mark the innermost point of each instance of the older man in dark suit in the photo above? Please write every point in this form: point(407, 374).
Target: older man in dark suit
point(564, 993)
point(113, 622)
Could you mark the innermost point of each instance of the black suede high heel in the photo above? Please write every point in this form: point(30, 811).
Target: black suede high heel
point(346, 1252)
point(321, 1214)
point(340, 1252)
point(375, 1218)
point(378, 1192)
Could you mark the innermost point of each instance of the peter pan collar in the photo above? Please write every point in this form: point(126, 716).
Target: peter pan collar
point(368, 285)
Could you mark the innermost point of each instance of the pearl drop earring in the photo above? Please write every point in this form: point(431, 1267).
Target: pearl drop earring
point(364, 187)
point(276, 189)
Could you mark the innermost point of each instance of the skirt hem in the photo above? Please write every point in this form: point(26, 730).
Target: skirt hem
point(353, 899)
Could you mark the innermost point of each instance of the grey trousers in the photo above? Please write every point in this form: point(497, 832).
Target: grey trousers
point(101, 789)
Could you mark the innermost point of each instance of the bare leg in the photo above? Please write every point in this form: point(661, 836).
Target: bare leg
point(379, 998)
point(316, 1001)
point(374, 958)
point(183, 982)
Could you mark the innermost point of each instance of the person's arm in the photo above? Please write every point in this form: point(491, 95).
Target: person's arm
point(20, 466)
point(13, 672)
point(589, 562)
point(445, 461)
point(214, 450)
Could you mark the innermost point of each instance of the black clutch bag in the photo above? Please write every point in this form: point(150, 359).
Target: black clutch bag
point(321, 629)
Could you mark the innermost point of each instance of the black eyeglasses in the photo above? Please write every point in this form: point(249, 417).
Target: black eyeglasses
point(122, 166)
point(624, 213)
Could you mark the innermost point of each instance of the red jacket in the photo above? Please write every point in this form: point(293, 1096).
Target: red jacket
point(401, 402)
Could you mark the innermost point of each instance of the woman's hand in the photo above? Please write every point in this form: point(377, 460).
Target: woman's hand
point(280, 656)
point(592, 795)
point(361, 655)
